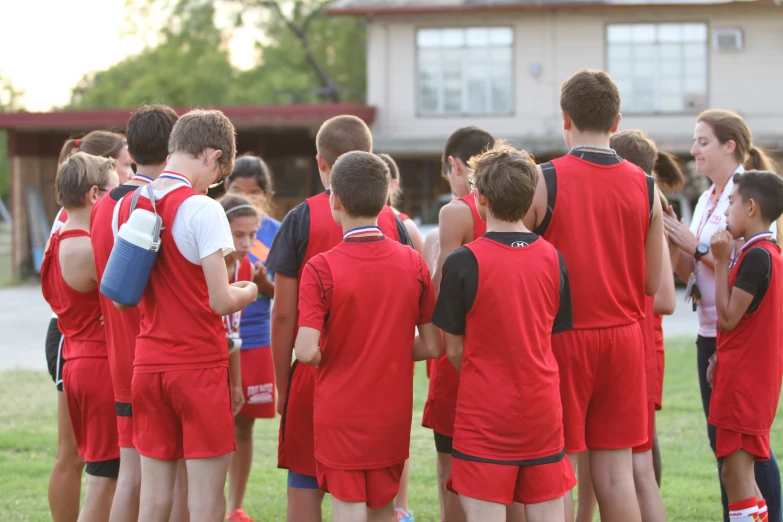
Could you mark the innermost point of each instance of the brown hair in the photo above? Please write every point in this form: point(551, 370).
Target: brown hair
point(77, 175)
point(232, 201)
point(199, 130)
point(361, 180)
point(727, 126)
point(591, 99)
point(149, 130)
point(635, 147)
point(394, 174)
point(342, 134)
point(507, 178)
point(250, 166)
point(96, 143)
point(464, 143)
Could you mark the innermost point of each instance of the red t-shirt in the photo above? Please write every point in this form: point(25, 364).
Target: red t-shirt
point(122, 328)
point(79, 313)
point(366, 297)
point(749, 371)
point(508, 406)
point(599, 222)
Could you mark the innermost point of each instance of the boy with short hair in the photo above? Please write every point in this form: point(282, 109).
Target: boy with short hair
point(458, 224)
point(365, 352)
point(501, 299)
point(581, 200)
point(306, 231)
point(148, 136)
point(747, 369)
point(180, 390)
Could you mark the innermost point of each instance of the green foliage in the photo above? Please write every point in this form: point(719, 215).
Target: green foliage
point(305, 57)
point(10, 100)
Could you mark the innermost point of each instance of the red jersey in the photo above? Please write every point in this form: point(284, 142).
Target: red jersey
point(444, 379)
point(508, 407)
point(650, 354)
point(79, 313)
point(242, 271)
point(366, 349)
point(122, 328)
point(599, 223)
point(749, 371)
point(178, 329)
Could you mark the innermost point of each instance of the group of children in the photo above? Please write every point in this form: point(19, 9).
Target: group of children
point(541, 325)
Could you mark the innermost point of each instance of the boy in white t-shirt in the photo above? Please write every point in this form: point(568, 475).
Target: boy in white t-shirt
point(180, 392)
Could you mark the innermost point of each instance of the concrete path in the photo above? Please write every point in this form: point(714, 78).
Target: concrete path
point(24, 318)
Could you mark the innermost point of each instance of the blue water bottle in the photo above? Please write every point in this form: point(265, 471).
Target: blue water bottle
point(134, 253)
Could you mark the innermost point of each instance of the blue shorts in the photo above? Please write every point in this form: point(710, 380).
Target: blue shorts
point(299, 481)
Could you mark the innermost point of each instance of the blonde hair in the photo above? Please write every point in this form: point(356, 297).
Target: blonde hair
point(201, 129)
point(77, 175)
point(340, 135)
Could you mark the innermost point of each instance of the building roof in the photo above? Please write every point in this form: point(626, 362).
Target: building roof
point(391, 7)
point(242, 117)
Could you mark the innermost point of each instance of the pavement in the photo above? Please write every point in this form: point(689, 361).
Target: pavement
point(24, 319)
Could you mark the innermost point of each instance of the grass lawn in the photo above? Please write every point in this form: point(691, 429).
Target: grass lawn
point(28, 441)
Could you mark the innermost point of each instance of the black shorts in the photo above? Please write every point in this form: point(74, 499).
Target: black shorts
point(107, 468)
point(54, 353)
point(442, 443)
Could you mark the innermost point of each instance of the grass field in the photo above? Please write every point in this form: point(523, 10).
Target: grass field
point(28, 440)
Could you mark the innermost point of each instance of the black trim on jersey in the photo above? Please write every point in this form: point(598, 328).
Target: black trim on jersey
point(527, 462)
point(284, 416)
point(105, 468)
point(443, 443)
point(120, 192)
point(53, 347)
point(754, 275)
point(651, 194)
point(550, 178)
point(124, 409)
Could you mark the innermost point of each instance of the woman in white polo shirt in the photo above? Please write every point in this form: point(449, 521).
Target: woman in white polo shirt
point(722, 147)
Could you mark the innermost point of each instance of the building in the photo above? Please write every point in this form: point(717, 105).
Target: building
point(435, 65)
point(283, 135)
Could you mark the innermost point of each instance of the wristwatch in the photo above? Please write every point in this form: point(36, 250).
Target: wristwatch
point(701, 250)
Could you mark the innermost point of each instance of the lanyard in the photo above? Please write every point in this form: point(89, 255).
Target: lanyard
point(708, 213)
point(363, 230)
point(173, 175)
point(231, 321)
point(142, 178)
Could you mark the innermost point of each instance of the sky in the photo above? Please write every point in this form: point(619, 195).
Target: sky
point(46, 46)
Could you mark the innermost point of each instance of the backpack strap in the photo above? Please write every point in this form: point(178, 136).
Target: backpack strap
point(151, 195)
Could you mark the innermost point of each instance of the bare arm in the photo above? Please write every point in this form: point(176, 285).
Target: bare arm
point(455, 345)
point(535, 215)
point(666, 296)
point(225, 299)
point(306, 347)
point(416, 237)
point(261, 279)
point(428, 344)
point(455, 218)
point(653, 250)
point(731, 303)
point(235, 371)
point(284, 328)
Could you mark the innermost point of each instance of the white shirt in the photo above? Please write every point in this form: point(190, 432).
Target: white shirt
point(200, 226)
point(706, 221)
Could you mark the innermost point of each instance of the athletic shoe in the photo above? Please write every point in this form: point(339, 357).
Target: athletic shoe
point(238, 516)
point(404, 516)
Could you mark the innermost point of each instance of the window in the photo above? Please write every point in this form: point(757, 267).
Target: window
point(465, 71)
point(660, 68)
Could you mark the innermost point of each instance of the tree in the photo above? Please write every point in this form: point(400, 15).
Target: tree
point(10, 100)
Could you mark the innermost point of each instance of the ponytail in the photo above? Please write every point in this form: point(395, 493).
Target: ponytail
point(758, 160)
point(70, 146)
point(667, 172)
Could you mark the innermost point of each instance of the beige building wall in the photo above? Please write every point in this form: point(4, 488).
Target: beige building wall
point(748, 81)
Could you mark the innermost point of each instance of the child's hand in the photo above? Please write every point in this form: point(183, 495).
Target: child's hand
point(259, 271)
point(721, 245)
point(237, 398)
point(280, 403)
point(711, 369)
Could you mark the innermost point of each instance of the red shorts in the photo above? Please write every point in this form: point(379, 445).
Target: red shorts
point(505, 484)
point(729, 441)
point(439, 417)
point(375, 487)
point(648, 445)
point(296, 442)
point(183, 414)
point(125, 431)
point(258, 383)
point(659, 388)
point(603, 387)
point(441, 406)
point(90, 397)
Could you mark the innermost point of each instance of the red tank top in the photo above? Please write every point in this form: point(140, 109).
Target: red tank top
point(479, 226)
point(122, 328)
point(79, 313)
point(600, 224)
point(748, 377)
point(325, 233)
point(508, 406)
point(647, 325)
point(179, 330)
